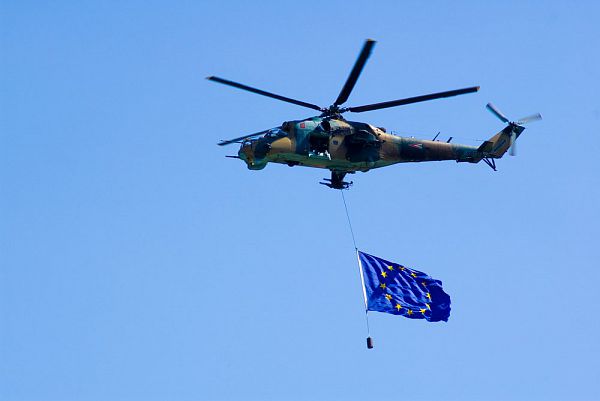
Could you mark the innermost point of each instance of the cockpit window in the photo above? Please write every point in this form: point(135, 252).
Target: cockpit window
point(363, 126)
point(275, 133)
point(286, 126)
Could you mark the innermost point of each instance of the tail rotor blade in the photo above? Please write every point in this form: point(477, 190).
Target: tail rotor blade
point(513, 129)
point(513, 144)
point(497, 112)
point(529, 119)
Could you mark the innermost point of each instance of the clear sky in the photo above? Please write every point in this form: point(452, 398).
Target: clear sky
point(138, 263)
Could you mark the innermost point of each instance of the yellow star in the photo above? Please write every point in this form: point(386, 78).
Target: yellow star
point(423, 311)
point(413, 274)
point(428, 295)
point(382, 285)
point(409, 312)
point(390, 267)
point(388, 296)
point(424, 283)
point(402, 268)
point(398, 306)
point(384, 274)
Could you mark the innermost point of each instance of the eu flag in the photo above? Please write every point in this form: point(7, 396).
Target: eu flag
point(393, 288)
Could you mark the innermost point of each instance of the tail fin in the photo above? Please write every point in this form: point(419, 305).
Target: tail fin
point(497, 145)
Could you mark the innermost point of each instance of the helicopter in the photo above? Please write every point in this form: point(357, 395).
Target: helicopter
point(329, 141)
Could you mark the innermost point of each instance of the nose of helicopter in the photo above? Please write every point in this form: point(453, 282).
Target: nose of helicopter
point(246, 153)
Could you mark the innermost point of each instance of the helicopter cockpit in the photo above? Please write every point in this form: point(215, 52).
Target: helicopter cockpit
point(275, 133)
point(286, 127)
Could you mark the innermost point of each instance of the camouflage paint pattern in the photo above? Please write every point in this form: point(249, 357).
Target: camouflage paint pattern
point(344, 146)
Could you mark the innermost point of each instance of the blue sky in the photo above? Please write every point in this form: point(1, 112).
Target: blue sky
point(137, 263)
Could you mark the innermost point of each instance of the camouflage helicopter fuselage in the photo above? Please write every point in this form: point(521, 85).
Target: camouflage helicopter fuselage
point(346, 147)
point(331, 142)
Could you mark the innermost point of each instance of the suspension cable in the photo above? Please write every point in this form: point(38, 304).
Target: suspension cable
point(369, 339)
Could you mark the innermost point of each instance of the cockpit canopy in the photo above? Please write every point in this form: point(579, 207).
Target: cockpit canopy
point(275, 133)
point(287, 126)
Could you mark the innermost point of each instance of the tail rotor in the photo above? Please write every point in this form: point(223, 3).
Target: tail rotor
point(514, 128)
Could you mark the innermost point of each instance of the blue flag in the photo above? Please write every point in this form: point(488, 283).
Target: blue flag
point(393, 288)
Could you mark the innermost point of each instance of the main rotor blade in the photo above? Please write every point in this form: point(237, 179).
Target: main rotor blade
point(528, 119)
point(410, 100)
point(355, 73)
point(497, 113)
point(264, 93)
point(230, 141)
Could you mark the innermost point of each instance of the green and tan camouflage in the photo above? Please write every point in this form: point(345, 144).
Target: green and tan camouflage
point(347, 147)
point(329, 141)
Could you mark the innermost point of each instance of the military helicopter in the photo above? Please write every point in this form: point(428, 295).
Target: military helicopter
point(331, 142)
